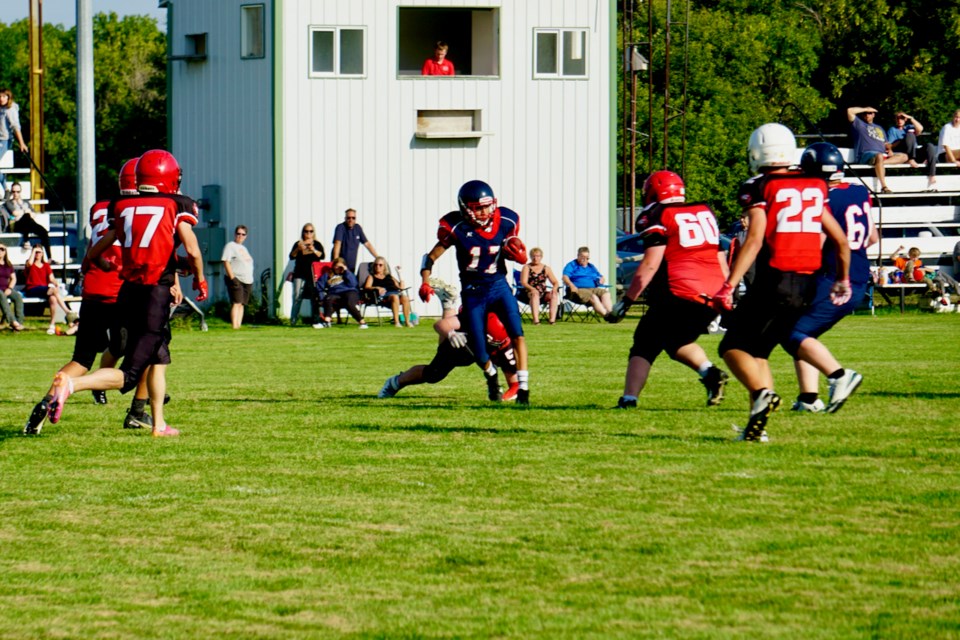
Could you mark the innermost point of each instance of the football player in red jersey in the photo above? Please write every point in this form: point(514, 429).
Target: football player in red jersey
point(453, 352)
point(484, 235)
point(788, 214)
point(149, 227)
point(100, 327)
point(682, 261)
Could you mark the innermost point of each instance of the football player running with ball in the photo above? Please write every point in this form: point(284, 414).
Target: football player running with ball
point(453, 352)
point(787, 212)
point(682, 261)
point(850, 205)
point(484, 235)
point(149, 226)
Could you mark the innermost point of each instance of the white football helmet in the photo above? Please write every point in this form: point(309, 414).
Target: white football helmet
point(771, 145)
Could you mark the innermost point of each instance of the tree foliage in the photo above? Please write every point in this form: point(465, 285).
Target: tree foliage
point(800, 62)
point(129, 94)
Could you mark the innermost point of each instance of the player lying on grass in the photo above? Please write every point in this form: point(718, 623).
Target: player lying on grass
point(453, 351)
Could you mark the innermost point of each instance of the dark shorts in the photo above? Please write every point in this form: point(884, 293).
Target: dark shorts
point(239, 292)
point(669, 324)
point(145, 312)
point(447, 359)
point(768, 312)
point(39, 291)
point(100, 321)
point(822, 314)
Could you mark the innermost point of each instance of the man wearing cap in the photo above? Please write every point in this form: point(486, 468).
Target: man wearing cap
point(870, 143)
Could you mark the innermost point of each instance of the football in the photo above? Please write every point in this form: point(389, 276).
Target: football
point(515, 250)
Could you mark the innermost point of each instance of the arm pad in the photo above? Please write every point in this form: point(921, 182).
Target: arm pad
point(427, 263)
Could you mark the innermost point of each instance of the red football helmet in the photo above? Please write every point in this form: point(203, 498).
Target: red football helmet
point(158, 172)
point(128, 177)
point(496, 332)
point(663, 186)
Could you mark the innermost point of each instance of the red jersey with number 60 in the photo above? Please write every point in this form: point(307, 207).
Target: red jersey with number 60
point(97, 283)
point(691, 239)
point(794, 204)
point(146, 226)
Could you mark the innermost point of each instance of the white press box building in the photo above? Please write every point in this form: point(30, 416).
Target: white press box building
point(284, 112)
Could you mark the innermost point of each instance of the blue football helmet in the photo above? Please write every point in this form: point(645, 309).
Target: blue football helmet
point(477, 202)
point(823, 160)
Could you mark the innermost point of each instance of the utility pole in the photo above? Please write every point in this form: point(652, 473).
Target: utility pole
point(36, 98)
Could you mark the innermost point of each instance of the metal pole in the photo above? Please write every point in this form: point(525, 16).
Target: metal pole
point(86, 137)
point(633, 153)
point(666, 85)
point(686, 66)
point(650, 87)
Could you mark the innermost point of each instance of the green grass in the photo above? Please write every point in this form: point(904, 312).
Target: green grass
point(297, 504)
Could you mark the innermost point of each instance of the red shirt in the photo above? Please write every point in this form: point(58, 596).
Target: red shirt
point(433, 68)
point(794, 204)
point(691, 240)
point(97, 283)
point(38, 274)
point(146, 226)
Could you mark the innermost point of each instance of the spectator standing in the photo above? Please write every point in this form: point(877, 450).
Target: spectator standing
point(438, 65)
point(305, 252)
point(948, 146)
point(347, 238)
point(338, 289)
point(41, 284)
point(9, 127)
point(21, 217)
point(238, 272)
point(533, 278)
point(902, 137)
point(870, 143)
point(9, 293)
point(584, 282)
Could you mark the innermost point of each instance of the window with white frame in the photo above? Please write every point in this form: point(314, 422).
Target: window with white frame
point(336, 51)
point(560, 53)
point(251, 31)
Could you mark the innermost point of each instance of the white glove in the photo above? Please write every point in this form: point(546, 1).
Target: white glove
point(457, 339)
point(840, 292)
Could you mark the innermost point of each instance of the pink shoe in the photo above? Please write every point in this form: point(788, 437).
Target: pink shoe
point(166, 431)
point(511, 393)
point(62, 388)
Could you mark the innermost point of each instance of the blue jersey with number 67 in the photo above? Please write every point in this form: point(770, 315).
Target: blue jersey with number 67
point(850, 205)
point(479, 253)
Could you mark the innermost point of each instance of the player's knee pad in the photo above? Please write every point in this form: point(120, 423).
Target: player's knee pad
point(433, 374)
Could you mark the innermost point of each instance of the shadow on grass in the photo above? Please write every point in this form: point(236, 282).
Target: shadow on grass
point(429, 428)
point(920, 395)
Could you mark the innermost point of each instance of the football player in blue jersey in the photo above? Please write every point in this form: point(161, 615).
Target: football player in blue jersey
point(850, 204)
point(484, 235)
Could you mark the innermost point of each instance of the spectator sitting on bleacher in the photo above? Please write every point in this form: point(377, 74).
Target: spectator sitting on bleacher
point(911, 265)
point(21, 218)
point(870, 143)
point(948, 146)
point(8, 292)
point(42, 284)
point(902, 137)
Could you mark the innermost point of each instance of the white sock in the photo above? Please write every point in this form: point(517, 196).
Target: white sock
point(523, 378)
point(491, 370)
point(704, 368)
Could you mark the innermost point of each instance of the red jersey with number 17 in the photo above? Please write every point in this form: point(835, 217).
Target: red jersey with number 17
point(97, 283)
point(691, 240)
point(146, 225)
point(794, 204)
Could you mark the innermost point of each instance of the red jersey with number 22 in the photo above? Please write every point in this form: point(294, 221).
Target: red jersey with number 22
point(97, 283)
point(794, 204)
point(146, 226)
point(691, 237)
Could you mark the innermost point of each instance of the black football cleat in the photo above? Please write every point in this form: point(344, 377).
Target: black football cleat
point(138, 421)
point(623, 403)
point(37, 418)
point(493, 388)
point(523, 397)
point(99, 397)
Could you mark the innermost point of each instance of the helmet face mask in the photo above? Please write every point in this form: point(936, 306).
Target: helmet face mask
point(823, 160)
point(158, 172)
point(665, 187)
point(477, 203)
point(771, 145)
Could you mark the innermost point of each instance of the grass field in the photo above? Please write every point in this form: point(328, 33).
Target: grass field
point(296, 504)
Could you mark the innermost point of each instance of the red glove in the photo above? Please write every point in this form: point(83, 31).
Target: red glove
point(201, 289)
point(722, 300)
point(426, 291)
point(515, 250)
